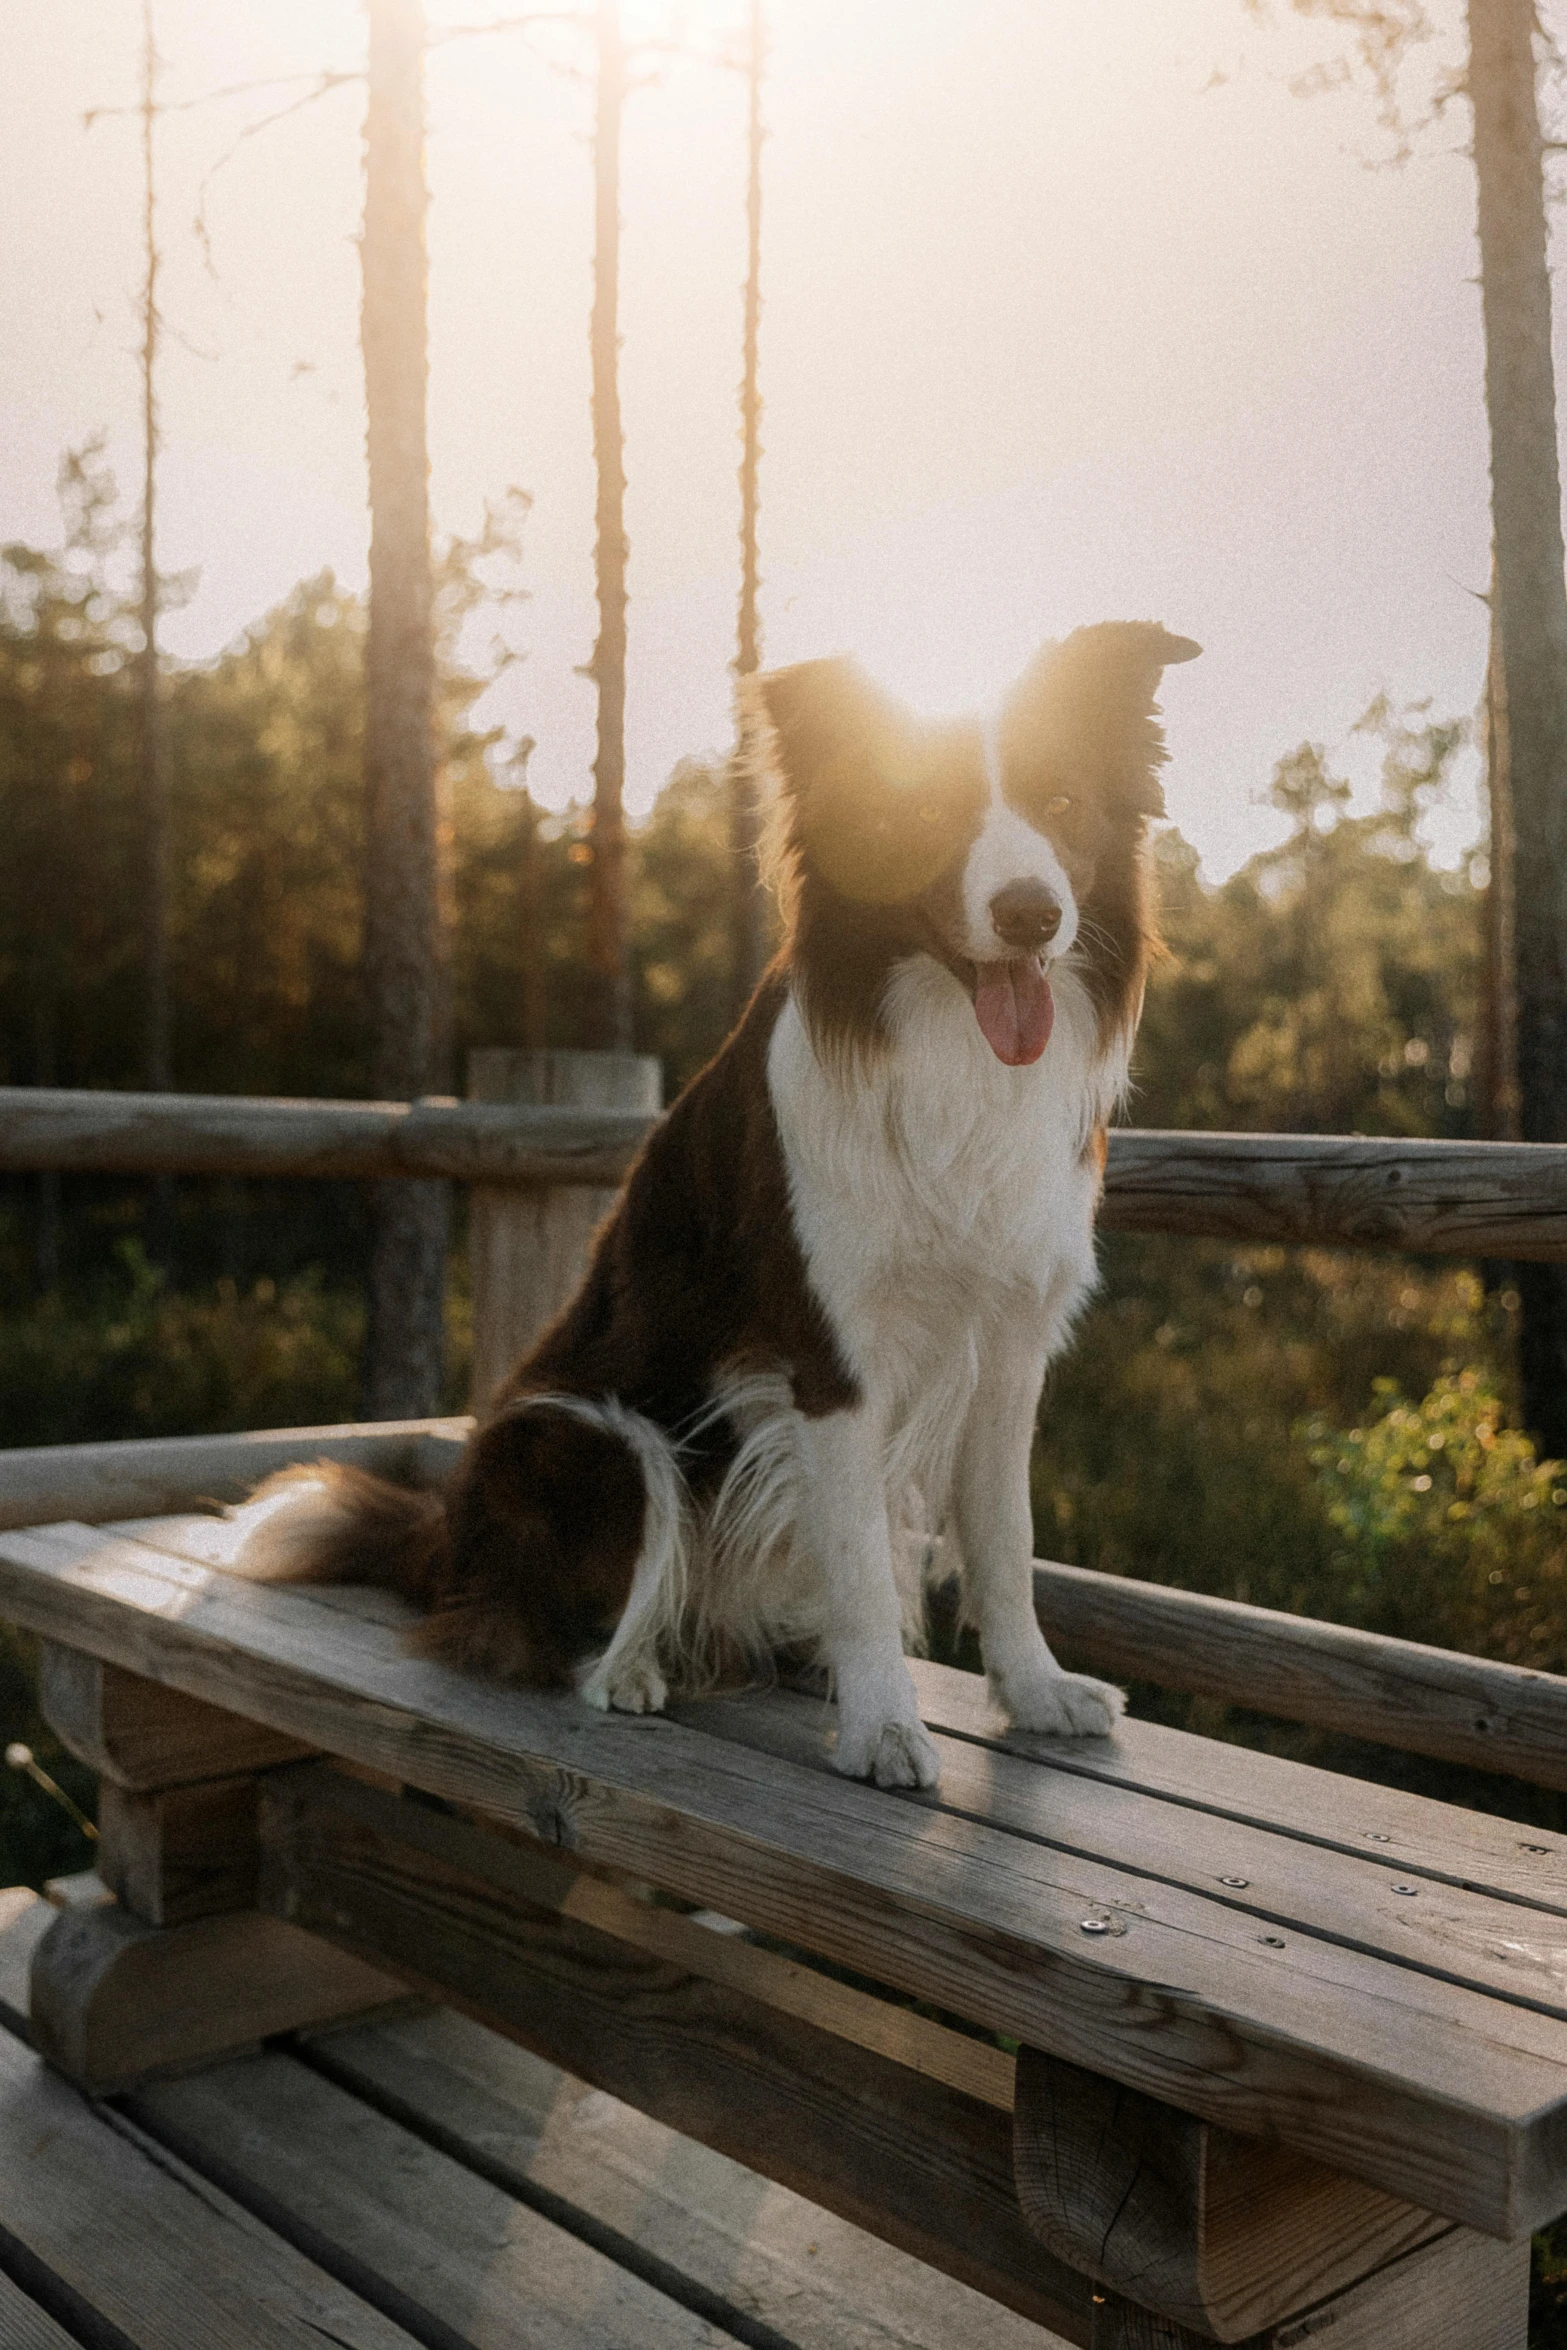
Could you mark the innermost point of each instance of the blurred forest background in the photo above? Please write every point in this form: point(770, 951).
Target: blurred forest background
point(1328, 1433)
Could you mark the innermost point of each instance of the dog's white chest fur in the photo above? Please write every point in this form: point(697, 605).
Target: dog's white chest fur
point(938, 1195)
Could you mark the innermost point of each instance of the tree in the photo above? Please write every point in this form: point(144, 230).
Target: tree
point(1530, 590)
point(748, 920)
point(1526, 694)
point(158, 1046)
point(403, 947)
point(609, 954)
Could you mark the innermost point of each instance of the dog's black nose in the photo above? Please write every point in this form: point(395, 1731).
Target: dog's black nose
point(1026, 914)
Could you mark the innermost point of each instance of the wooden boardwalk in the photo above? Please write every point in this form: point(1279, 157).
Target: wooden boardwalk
point(415, 2180)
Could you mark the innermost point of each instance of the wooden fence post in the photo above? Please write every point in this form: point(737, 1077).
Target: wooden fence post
point(528, 1243)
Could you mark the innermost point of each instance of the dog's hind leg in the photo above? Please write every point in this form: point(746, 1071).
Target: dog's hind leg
point(629, 1677)
point(996, 1535)
point(566, 1533)
point(844, 1523)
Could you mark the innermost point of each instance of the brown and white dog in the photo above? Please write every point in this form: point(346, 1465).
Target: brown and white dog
point(814, 1331)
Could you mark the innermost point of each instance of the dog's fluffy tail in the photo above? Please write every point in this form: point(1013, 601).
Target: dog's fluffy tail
point(328, 1523)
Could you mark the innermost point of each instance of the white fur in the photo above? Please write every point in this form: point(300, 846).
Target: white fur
point(944, 1206)
point(629, 1675)
point(1008, 848)
point(279, 1535)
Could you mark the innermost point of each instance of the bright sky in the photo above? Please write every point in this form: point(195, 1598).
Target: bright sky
point(1073, 311)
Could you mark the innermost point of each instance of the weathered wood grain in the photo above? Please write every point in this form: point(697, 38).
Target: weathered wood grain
point(884, 2146)
point(180, 1852)
point(1476, 1199)
point(1456, 2100)
point(1433, 1197)
point(1348, 1894)
point(150, 1476)
point(24, 1921)
point(157, 2251)
point(23, 2325)
point(1224, 2235)
point(138, 1735)
point(547, 1880)
point(801, 2270)
point(112, 1999)
point(1413, 1833)
point(494, 2272)
point(233, 1134)
point(1461, 2292)
point(529, 1248)
point(1394, 1692)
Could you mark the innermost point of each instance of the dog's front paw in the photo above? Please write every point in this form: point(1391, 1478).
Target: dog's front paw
point(894, 1753)
point(626, 1685)
point(1064, 1705)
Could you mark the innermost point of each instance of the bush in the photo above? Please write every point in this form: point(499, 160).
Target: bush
point(1449, 1530)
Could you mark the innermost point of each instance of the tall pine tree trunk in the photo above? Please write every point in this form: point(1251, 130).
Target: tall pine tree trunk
point(156, 1048)
point(402, 895)
point(157, 1005)
point(1499, 1015)
point(748, 925)
point(1530, 612)
point(609, 956)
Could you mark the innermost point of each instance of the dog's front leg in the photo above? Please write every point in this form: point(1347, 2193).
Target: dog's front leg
point(845, 1528)
point(996, 1536)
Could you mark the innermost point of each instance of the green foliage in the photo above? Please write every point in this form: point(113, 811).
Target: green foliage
point(1331, 985)
point(680, 917)
point(1449, 1529)
point(125, 1355)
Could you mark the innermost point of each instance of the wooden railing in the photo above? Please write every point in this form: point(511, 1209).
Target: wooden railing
point(1488, 1199)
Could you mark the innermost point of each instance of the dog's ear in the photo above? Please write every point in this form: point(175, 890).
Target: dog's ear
point(1088, 704)
point(848, 773)
point(814, 716)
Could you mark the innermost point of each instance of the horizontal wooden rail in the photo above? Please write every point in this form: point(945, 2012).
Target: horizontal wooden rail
point(1399, 1693)
point(1489, 1199)
point(150, 1477)
point(1468, 1199)
point(223, 1134)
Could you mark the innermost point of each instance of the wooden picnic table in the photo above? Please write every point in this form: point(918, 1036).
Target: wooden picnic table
point(1151, 2039)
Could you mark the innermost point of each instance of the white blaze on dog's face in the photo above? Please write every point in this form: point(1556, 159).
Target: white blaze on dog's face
point(1019, 913)
point(996, 850)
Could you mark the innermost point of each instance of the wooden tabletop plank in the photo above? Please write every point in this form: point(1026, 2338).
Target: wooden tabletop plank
point(161, 2254)
point(1451, 2099)
point(1357, 1895)
point(23, 2325)
point(1494, 1717)
point(498, 2273)
point(816, 2278)
point(1420, 1836)
point(1417, 1834)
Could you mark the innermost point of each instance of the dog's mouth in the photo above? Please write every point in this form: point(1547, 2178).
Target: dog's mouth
point(1014, 1007)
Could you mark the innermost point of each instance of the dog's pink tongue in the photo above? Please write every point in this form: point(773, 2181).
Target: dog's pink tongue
point(1016, 1010)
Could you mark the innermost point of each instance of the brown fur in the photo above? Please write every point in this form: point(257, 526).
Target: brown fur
point(698, 1271)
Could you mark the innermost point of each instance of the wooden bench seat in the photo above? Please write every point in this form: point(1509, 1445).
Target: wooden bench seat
point(423, 2166)
point(1292, 2049)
